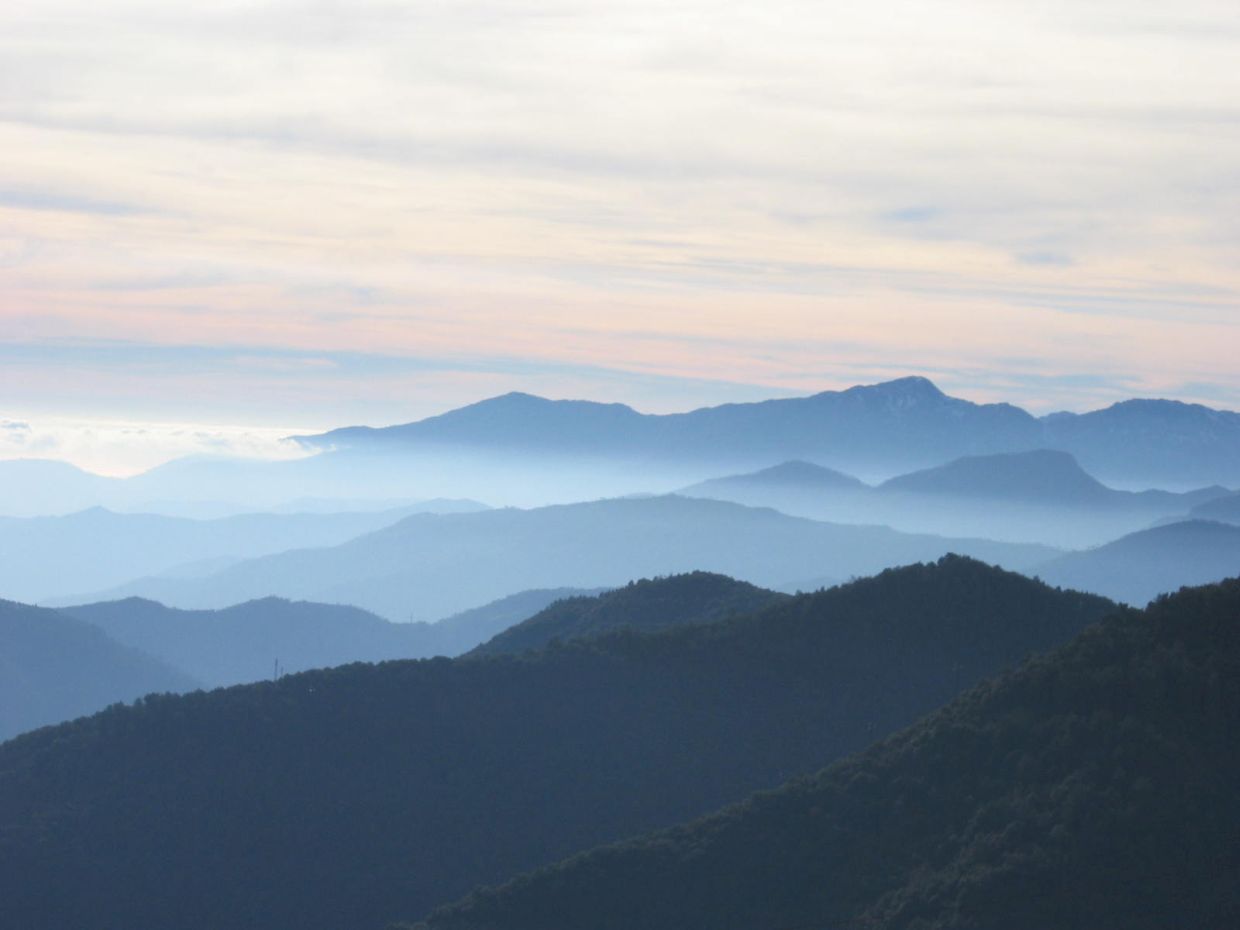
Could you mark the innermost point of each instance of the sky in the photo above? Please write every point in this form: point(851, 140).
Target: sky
point(221, 222)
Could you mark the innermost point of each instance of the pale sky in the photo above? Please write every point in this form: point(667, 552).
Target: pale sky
point(304, 214)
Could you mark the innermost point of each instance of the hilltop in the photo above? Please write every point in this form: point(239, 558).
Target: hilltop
point(649, 605)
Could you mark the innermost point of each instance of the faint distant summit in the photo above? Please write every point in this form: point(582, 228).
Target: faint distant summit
point(1040, 476)
point(908, 391)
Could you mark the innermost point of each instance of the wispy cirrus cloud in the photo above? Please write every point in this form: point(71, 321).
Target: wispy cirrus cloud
point(57, 201)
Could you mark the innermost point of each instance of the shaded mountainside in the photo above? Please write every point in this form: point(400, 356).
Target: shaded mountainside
point(1093, 787)
point(1156, 561)
point(891, 427)
point(646, 606)
point(46, 558)
point(367, 793)
point(430, 565)
point(242, 643)
point(55, 668)
point(1163, 443)
point(1042, 476)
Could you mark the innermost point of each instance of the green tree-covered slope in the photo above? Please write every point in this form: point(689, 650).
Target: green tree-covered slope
point(1093, 787)
point(362, 794)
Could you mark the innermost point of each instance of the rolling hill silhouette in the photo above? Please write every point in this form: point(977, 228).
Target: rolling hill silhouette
point(643, 606)
point(431, 565)
point(45, 559)
point(55, 668)
point(245, 642)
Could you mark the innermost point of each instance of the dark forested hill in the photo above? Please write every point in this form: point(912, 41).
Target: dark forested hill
point(1143, 565)
point(55, 668)
point(243, 643)
point(648, 605)
point(432, 565)
point(1094, 787)
point(349, 797)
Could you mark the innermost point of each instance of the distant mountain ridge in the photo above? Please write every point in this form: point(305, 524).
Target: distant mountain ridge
point(54, 667)
point(47, 559)
point(908, 415)
point(246, 642)
point(795, 474)
point(895, 426)
point(519, 449)
point(432, 565)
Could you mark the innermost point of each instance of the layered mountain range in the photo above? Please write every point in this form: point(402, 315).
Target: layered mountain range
point(527, 450)
point(873, 429)
point(272, 636)
point(1038, 496)
point(50, 558)
point(428, 566)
